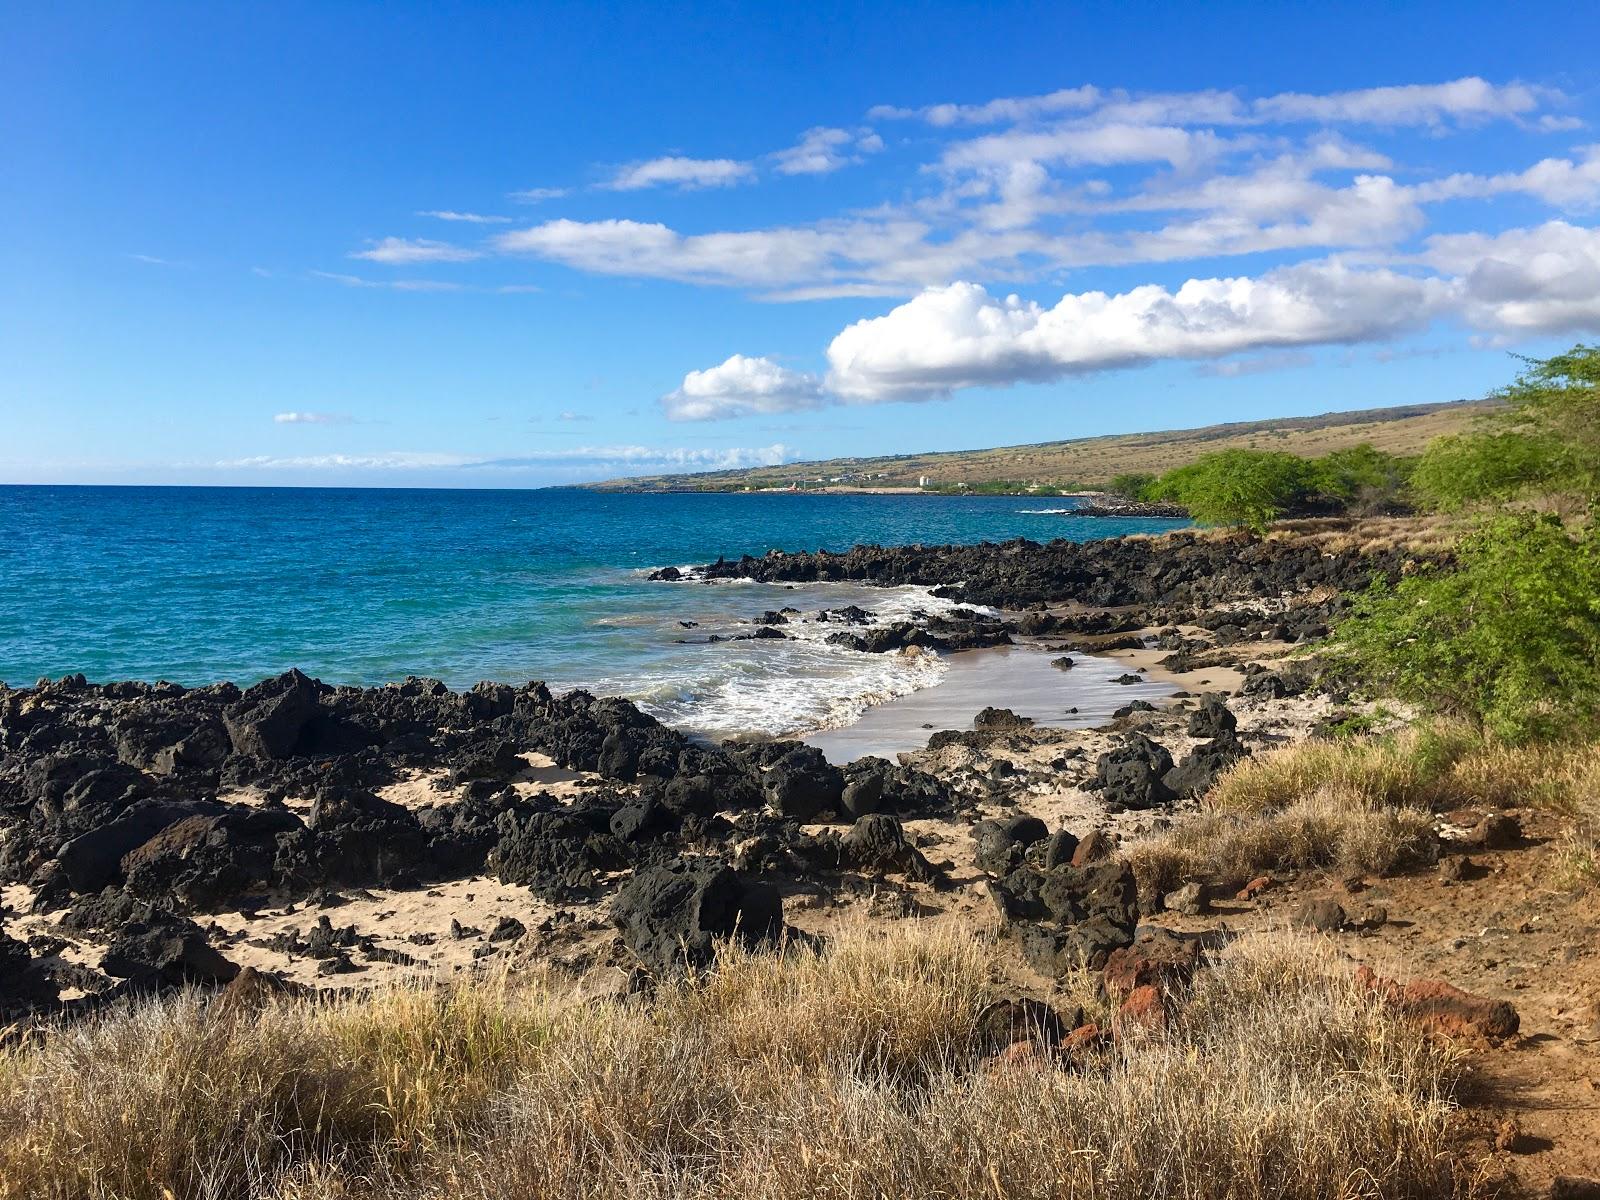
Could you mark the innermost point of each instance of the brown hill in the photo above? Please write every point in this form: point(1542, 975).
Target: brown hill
point(1086, 462)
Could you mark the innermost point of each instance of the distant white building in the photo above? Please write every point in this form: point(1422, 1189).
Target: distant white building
point(923, 481)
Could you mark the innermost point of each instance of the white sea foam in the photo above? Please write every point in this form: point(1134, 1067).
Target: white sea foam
point(770, 686)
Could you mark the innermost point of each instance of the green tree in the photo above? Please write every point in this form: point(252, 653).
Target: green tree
point(1131, 485)
point(1544, 440)
point(1363, 479)
point(1508, 637)
point(1238, 487)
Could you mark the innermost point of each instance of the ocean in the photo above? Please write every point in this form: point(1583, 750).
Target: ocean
point(367, 586)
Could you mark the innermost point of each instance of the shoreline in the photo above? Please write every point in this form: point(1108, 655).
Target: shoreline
point(336, 841)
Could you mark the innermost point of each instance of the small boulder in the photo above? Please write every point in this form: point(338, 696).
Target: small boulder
point(1324, 916)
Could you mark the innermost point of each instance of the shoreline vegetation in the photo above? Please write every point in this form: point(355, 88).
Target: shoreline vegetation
point(1321, 924)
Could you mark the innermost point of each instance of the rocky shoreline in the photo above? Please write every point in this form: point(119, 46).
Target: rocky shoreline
point(154, 825)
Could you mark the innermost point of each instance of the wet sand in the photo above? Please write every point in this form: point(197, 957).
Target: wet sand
point(1016, 677)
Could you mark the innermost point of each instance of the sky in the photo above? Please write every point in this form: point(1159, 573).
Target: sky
point(461, 245)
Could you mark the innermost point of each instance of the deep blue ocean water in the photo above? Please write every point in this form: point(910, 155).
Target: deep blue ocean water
point(368, 586)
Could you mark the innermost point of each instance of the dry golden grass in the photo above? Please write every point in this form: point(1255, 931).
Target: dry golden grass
point(844, 1073)
point(1577, 865)
point(1330, 827)
point(1361, 805)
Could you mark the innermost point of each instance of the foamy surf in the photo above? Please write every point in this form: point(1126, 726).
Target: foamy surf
point(800, 684)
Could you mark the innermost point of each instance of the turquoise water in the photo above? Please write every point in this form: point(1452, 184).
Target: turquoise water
point(367, 586)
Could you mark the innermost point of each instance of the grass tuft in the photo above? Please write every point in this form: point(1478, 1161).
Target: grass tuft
point(846, 1073)
point(1363, 805)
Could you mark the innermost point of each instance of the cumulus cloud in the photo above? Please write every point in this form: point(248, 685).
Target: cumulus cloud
point(741, 386)
point(312, 418)
point(679, 172)
point(397, 251)
point(1568, 183)
point(1521, 282)
point(960, 336)
point(1543, 280)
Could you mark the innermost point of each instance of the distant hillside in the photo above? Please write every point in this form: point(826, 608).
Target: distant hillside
point(1087, 462)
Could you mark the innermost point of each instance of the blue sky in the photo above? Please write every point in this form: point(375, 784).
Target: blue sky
point(491, 246)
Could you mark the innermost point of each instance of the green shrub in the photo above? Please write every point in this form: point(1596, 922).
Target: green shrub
point(1131, 485)
point(1363, 479)
point(1509, 638)
point(1238, 487)
point(1459, 471)
point(1544, 441)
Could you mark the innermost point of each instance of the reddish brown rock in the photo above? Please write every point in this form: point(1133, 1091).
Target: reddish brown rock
point(1144, 1011)
point(1094, 847)
point(1164, 962)
point(1254, 888)
point(1444, 1008)
point(1085, 1039)
point(1022, 1056)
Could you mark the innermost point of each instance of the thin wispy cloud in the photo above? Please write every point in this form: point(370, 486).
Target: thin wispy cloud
point(393, 285)
point(600, 457)
point(538, 195)
point(470, 218)
point(679, 172)
point(1338, 230)
point(312, 418)
point(398, 251)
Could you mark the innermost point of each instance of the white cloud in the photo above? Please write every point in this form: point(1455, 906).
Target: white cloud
point(1462, 100)
point(386, 461)
point(680, 172)
point(312, 418)
point(470, 218)
point(1518, 283)
point(763, 257)
point(1093, 145)
point(1010, 109)
point(538, 195)
point(396, 251)
point(393, 285)
point(1468, 99)
point(741, 386)
point(960, 336)
point(592, 457)
point(1560, 182)
point(825, 149)
point(649, 457)
point(1018, 190)
point(1525, 281)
